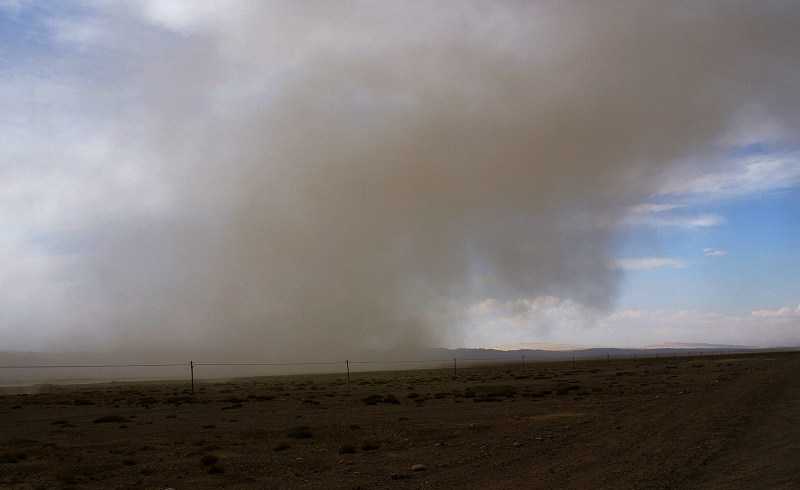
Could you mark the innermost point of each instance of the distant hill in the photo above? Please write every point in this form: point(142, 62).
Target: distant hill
point(26, 368)
point(682, 345)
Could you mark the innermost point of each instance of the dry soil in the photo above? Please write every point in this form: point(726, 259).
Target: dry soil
point(711, 422)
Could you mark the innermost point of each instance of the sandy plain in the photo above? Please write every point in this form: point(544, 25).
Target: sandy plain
point(714, 422)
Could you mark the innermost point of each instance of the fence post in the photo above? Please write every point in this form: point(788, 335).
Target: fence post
point(523, 364)
point(656, 356)
point(347, 365)
point(191, 374)
point(573, 363)
point(455, 372)
point(608, 359)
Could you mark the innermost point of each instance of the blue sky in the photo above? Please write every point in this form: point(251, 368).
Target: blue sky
point(758, 235)
point(369, 175)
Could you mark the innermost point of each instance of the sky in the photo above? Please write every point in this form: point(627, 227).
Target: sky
point(304, 180)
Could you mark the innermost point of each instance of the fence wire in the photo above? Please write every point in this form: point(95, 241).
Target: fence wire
point(526, 360)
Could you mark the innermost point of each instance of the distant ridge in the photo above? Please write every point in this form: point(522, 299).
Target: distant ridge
point(554, 347)
point(539, 346)
point(696, 345)
point(30, 368)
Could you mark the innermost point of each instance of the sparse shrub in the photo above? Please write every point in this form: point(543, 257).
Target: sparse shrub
point(354, 427)
point(372, 399)
point(370, 446)
point(505, 391)
point(59, 422)
point(80, 402)
point(216, 470)
point(180, 400)
point(390, 398)
point(347, 448)
point(282, 446)
point(566, 389)
point(208, 459)
point(300, 432)
point(470, 394)
point(12, 457)
point(234, 399)
point(412, 395)
point(129, 461)
point(68, 479)
point(110, 419)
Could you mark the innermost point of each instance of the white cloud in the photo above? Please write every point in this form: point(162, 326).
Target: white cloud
point(647, 263)
point(567, 322)
point(652, 208)
point(741, 177)
point(736, 178)
point(187, 16)
point(773, 313)
point(484, 307)
point(650, 219)
point(710, 252)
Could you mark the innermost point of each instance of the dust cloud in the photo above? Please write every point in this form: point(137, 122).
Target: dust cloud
point(352, 177)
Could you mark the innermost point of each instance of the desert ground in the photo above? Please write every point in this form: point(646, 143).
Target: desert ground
point(714, 422)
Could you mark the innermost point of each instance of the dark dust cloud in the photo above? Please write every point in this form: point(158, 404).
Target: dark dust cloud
point(344, 177)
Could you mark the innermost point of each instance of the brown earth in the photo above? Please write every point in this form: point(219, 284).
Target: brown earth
point(715, 422)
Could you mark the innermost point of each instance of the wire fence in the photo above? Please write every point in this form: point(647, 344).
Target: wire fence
point(77, 373)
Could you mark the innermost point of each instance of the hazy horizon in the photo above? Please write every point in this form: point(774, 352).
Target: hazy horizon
point(31, 369)
point(306, 180)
